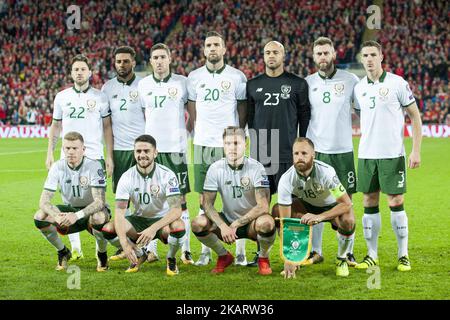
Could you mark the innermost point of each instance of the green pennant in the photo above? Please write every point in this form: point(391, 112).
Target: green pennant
point(296, 240)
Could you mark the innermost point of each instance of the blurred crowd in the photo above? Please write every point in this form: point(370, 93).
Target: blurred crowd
point(36, 44)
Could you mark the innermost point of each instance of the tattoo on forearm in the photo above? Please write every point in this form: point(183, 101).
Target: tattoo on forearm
point(45, 203)
point(98, 204)
point(174, 202)
point(210, 211)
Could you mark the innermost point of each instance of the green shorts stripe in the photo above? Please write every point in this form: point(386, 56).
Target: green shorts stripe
point(203, 158)
point(387, 175)
point(178, 164)
point(344, 165)
point(123, 160)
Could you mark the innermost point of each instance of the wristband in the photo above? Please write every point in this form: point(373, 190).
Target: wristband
point(79, 214)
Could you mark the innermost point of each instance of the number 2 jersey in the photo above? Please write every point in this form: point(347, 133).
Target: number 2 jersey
point(148, 193)
point(320, 189)
point(75, 184)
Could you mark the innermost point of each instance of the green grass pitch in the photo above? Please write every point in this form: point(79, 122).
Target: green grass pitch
point(27, 260)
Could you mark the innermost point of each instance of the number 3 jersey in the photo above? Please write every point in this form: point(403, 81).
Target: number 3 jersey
point(75, 184)
point(148, 193)
point(83, 112)
point(236, 185)
point(320, 189)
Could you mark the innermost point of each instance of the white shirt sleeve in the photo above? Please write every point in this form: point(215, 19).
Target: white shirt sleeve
point(241, 87)
point(404, 94)
point(172, 186)
point(355, 100)
point(57, 109)
point(285, 191)
point(211, 181)
point(98, 178)
point(51, 183)
point(104, 105)
point(123, 188)
point(192, 94)
point(261, 180)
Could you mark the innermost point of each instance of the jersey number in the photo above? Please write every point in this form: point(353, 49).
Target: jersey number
point(144, 198)
point(326, 97)
point(122, 106)
point(76, 191)
point(159, 101)
point(80, 114)
point(237, 192)
point(310, 194)
point(373, 102)
point(269, 97)
point(182, 178)
point(212, 95)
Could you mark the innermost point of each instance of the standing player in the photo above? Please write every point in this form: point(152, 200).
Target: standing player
point(320, 197)
point(216, 101)
point(244, 189)
point(154, 191)
point(127, 118)
point(383, 98)
point(83, 109)
point(82, 185)
point(330, 128)
point(164, 97)
point(278, 111)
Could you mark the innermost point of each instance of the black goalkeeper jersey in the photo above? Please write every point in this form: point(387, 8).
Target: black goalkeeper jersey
point(277, 103)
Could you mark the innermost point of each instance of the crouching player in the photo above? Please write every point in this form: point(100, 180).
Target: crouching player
point(320, 197)
point(82, 184)
point(244, 188)
point(155, 194)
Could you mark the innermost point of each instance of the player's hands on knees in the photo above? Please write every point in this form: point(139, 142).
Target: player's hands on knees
point(130, 254)
point(59, 218)
point(310, 219)
point(289, 270)
point(414, 160)
point(228, 234)
point(146, 236)
point(109, 167)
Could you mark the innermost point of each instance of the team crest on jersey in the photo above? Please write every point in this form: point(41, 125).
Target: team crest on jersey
point(226, 85)
point(133, 95)
point(91, 105)
point(383, 93)
point(84, 181)
point(285, 91)
point(172, 93)
point(318, 188)
point(154, 190)
point(245, 183)
point(339, 89)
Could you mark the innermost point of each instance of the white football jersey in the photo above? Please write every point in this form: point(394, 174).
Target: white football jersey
point(236, 186)
point(330, 127)
point(382, 115)
point(164, 102)
point(83, 112)
point(127, 116)
point(76, 184)
point(148, 193)
point(215, 94)
point(320, 189)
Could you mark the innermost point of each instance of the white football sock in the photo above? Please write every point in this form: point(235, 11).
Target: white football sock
point(75, 241)
point(372, 227)
point(399, 222)
point(187, 227)
point(317, 232)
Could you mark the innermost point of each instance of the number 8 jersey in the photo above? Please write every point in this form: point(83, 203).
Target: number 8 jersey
point(320, 189)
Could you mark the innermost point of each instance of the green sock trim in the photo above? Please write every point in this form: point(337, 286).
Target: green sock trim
point(371, 210)
point(41, 224)
point(98, 227)
point(347, 233)
point(184, 206)
point(267, 234)
point(178, 234)
point(397, 208)
point(109, 235)
point(201, 233)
